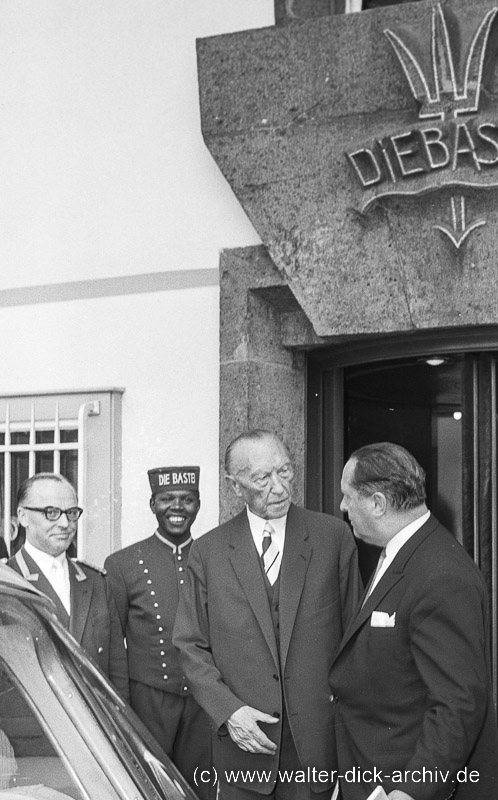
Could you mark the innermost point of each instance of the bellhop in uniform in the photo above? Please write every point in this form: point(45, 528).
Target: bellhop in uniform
point(47, 508)
point(268, 597)
point(147, 579)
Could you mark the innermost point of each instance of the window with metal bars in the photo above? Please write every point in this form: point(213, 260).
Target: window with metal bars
point(76, 435)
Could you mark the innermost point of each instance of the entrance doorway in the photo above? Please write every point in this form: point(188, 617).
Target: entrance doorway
point(440, 405)
point(416, 403)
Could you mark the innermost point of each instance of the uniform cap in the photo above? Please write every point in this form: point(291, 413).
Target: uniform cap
point(174, 478)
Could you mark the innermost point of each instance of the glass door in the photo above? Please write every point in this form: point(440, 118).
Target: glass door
point(443, 408)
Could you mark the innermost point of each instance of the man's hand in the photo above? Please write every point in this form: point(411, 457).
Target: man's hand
point(397, 794)
point(244, 730)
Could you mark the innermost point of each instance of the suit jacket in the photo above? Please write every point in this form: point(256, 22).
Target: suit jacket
point(146, 579)
point(228, 647)
point(417, 693)
point(93, 620)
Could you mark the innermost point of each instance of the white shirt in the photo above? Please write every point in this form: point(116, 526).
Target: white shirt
point(46, 563)
point(257, 526)
point(394, 546)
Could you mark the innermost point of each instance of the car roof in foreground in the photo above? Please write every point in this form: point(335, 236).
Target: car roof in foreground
point(14, 585)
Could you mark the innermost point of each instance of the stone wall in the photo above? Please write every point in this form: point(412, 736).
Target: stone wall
point(411, 248)
point(262, 383)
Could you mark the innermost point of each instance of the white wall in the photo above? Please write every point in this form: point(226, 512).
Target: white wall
point(167, 363)
point(104, 171)
point(105, 174)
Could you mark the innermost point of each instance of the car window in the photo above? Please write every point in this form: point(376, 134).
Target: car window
point(131, 739)
point(64, 731)
point(27, 757)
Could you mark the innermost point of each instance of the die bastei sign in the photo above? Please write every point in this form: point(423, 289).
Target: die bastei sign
point(454, 144)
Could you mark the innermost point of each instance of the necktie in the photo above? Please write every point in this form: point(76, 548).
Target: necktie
point(270, 554)
point(60, 584)
point(377, 570)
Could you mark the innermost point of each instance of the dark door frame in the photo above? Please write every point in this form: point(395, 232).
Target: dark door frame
point(324, 390)
point(325, 433)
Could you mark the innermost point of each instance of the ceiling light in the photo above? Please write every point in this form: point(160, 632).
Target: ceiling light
point(436, 361)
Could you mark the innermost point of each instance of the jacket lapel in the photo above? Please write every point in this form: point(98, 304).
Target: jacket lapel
point(386, 583)
point(81, 595)
point(391, 577)
point(38, 579)
point(244, 559)
point(295, 560)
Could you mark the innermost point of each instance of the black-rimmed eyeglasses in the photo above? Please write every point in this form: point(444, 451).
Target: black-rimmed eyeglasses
point(52, 513)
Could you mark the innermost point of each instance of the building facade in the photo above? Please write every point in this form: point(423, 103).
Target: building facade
point(112, 218)
point(363, 145)
point(352, 192)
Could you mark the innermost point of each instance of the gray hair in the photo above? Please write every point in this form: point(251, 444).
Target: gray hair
point(256, 435)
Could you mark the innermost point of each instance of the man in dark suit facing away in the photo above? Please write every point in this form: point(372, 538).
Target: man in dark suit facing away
point(267, 598)
point(413, 701)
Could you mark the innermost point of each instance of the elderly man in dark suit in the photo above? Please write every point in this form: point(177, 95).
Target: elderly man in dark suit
point(48, 509)
point(267, 598)
point(414, 707)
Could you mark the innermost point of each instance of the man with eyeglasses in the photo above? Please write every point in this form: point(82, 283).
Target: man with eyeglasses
point(47, 507)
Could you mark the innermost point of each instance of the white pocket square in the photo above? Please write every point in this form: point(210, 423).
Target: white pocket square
point(381, 619)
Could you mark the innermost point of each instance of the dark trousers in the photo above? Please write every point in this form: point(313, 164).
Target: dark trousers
point(283, 790)
point(180, 727)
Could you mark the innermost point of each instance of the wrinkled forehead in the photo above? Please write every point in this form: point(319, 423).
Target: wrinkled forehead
point(51, 493)
point(253, 455)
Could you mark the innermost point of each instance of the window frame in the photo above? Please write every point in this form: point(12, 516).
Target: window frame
point(96, 414)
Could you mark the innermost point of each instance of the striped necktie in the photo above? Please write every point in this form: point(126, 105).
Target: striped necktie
point(270, 554)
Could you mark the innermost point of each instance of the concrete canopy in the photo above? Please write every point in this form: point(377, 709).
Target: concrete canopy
point(401, 241)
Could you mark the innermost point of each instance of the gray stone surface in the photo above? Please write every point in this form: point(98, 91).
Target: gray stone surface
point(280, 106)
point(262, 384)
point(291, 11)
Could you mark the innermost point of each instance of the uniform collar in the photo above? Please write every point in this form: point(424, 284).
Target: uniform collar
point(44, 560)
point(176, 548)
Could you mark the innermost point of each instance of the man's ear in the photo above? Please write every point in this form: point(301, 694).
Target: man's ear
point(152, 504)
point(234, 484)
point(22, 516)
point(379, 504)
